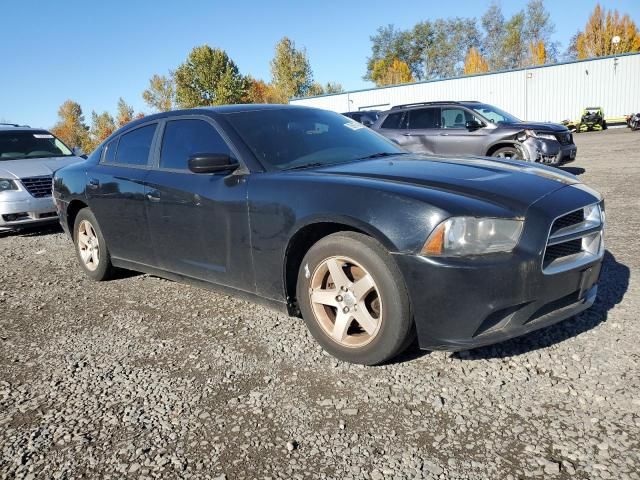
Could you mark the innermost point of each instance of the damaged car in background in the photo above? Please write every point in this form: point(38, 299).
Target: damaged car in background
point(475, 128)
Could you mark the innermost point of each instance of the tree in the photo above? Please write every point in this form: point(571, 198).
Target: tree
point(475, 62)
point(102, 126)
point(333, 87)
point(538, 29)
point(161, 93)
point(596, 39)
point(259, 91)
point(513, 47)
point(492, 43)
point(208, 77)
point(537, 53)
point(391, 72)
point(70, 127)
point(125, 113)
point(291, 72)
point(450, 40)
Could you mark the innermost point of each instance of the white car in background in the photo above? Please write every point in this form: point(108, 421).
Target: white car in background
point(28, 158)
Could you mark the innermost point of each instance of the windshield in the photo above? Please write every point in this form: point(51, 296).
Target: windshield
point(494, 114)
point(290, 138)
point(30, 144)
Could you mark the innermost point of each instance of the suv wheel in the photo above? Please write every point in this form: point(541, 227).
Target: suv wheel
point(509, 152)
point(91, 249)
point(353, 299)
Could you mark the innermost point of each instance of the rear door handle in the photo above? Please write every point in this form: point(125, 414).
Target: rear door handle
point(444, 134)
point(407, 135)
point(153, 195)
point(94, 183)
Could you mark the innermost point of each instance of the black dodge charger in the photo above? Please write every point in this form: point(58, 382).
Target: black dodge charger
point(313, 213)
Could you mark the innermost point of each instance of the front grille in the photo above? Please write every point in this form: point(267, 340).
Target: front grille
point(562, 250)
point(575, 239)
point(565, 138)
point(38, 186)
point(573, 218)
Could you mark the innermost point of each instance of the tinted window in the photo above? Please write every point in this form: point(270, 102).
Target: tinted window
point(30, 144)
point(393, 120)
point(424, 118)
point(183, 138)
point(455, 117)
point(110, 151)
point(289, 137)
point(134, 147)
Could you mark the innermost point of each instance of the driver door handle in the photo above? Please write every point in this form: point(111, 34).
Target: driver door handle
point(153, 195)
point(444, 134)
point(407, 134)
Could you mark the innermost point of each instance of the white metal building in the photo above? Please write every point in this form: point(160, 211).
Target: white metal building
point(544, 93)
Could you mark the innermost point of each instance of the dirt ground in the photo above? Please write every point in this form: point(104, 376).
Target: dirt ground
point(145, 378)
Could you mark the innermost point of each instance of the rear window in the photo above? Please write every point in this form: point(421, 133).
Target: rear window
point(134, 147)
point(393, 120)
point(424, 118)
point(30, 144)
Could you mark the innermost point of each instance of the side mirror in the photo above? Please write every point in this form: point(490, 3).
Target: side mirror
point(473, 125)
point(211, 163)
point(77, 151)
point(367, 122)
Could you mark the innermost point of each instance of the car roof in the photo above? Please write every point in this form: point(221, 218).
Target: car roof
point(21, 128)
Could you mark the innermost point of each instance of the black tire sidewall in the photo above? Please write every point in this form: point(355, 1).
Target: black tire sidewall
point(105, 269)
point(397, 323)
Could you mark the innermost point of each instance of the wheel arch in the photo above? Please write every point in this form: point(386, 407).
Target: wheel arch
point(502, 144)
point(72, 212)
point(305, 237)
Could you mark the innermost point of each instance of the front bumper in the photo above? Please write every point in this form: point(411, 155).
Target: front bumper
point(549, 152)
point(20, 209)
point(462, 303)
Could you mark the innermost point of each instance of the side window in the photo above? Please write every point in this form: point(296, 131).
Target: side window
point(134, 147)
point(183, 138)
point(393, 120)
point(424, 118)
point(454, 118)
point(110, 148)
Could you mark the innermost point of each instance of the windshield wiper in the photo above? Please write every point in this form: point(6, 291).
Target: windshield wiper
point(306, 165)
point(381, 154)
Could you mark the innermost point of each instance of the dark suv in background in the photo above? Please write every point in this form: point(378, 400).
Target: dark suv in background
point(474, 128)
point(365, 117)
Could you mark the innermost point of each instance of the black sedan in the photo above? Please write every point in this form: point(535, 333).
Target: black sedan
point(313, 213)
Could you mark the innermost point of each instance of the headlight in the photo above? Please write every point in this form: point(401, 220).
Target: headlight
point(547, 136)
point(7, 184)
point(459, 236)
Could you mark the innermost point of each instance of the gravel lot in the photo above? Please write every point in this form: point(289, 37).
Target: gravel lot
point(141, 377)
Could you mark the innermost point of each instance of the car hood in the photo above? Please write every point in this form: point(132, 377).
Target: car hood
point(510, 184)
point(545, 126)
point(34, 167)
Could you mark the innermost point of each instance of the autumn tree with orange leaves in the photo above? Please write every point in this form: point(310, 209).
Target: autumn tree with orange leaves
point(391, 72)
point(475, 62)
point(71, 128)
point(597, 38)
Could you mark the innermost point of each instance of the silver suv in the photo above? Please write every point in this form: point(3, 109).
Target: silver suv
point(28, 158)
point(475, 128)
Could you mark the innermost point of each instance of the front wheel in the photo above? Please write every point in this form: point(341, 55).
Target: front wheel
point(353, 299)
point(511, 152)
point(91, 249)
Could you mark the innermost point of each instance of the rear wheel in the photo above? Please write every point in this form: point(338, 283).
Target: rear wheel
point(91, 248)
point(353, 299)
point(512, 152)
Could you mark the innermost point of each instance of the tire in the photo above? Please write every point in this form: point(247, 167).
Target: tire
point(92, 252)
point(513, 153)
point(380, 301)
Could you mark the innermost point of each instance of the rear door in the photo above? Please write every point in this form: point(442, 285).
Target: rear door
point(198, 222)
point(422, 129)
point(116, 192)
point(394, 128)
point(454, 138)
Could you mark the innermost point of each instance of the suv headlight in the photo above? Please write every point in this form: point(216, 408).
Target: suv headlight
point(460, 236)
point(7, 184)
point(546, 136)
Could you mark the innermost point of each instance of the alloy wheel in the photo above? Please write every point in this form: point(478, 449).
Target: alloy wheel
point(88, 245)
point(346, 302)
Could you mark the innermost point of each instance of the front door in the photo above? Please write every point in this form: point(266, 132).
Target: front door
point(198, 222)
point(454, 138)
point(115, 187)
